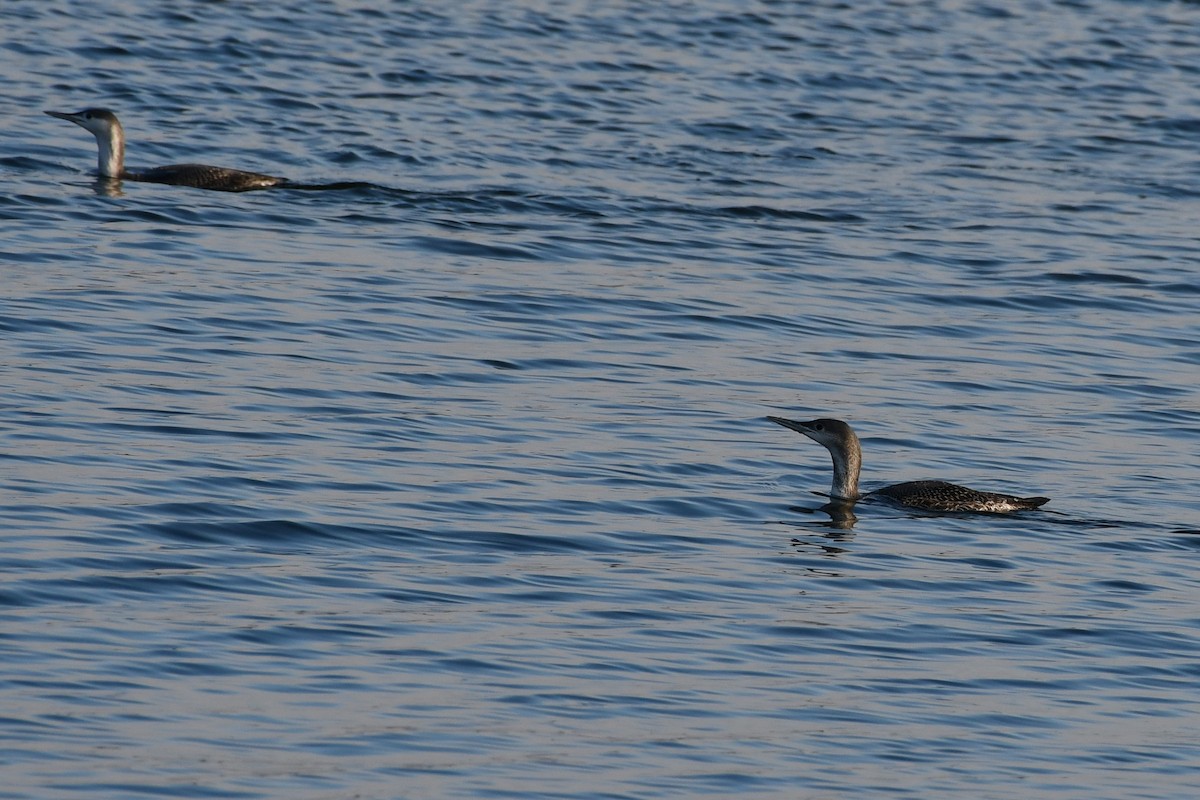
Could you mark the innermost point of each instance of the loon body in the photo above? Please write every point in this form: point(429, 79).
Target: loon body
point(842, 443)
point(110, 138)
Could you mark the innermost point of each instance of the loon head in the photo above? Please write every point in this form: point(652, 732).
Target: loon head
point(835, 435)
point(100, 121)
point(110, 137)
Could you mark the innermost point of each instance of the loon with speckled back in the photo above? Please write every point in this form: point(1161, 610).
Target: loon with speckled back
point(110, 139)
point(843, 446)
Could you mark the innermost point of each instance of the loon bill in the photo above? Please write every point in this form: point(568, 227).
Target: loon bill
point(842, 443)
point(110, 139)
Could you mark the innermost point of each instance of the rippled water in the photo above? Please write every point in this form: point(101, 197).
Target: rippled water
point(458, 483)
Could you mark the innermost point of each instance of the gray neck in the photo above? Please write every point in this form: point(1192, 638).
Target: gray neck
point(847, 463)
point(112, 152)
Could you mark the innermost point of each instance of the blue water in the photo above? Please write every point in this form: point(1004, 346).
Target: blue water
point(458, 484)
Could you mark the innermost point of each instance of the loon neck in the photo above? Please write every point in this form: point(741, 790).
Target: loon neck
point(847, 464)
point(111, 163)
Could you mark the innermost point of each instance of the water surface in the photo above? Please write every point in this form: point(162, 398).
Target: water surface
point(458, 483)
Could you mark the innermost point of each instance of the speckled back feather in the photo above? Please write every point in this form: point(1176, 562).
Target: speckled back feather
point(943, 496)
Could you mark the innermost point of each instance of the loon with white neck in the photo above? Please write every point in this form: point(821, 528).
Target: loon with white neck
point(842, 443)
point(110, 138)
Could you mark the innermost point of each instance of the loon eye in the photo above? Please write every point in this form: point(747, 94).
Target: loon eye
point(818, 427)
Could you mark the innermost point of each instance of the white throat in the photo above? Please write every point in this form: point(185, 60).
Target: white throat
point(112, 151)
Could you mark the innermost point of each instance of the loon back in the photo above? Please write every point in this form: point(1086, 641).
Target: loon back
point(942, 496)
point(202, 176)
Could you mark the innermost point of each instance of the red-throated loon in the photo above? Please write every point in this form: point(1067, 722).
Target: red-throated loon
point(110, 138)
point(841, 442)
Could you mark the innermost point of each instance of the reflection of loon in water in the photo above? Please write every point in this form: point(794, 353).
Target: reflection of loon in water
point(110, 138)
point(843, 446)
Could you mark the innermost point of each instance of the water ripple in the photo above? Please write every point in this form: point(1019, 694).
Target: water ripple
point(447, 469)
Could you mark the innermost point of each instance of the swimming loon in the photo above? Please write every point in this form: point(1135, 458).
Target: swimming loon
point(842, 443)
point(110, 138)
